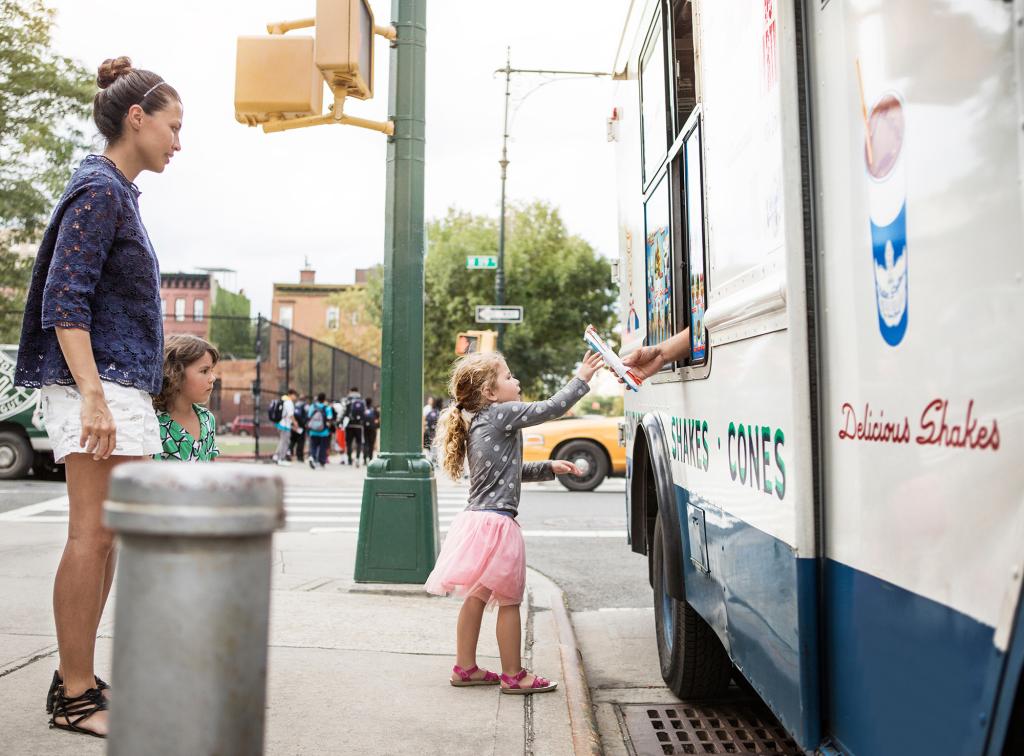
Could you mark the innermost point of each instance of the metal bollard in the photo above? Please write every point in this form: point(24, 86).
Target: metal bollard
point(192, 607)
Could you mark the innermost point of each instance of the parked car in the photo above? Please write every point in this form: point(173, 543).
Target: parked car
point(590, 442)
point(24, 444)
point(243, 426)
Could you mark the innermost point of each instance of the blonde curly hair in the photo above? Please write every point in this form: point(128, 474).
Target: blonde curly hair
point(471, 376)
point(180, 351)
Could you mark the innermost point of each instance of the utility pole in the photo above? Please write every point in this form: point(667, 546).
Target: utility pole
point(499, 279)
point(398, 529)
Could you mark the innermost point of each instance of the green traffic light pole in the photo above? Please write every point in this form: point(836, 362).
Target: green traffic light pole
point(398, 531)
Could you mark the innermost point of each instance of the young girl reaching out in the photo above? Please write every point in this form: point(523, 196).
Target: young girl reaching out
point(483, 557)
point(187, 428)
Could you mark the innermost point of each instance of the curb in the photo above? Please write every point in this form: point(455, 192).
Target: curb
point(586, 738)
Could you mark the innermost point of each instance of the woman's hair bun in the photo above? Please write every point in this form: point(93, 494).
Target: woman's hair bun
point(111, 69)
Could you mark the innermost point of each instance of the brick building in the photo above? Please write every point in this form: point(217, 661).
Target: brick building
point(334, 313)
point(187, 300)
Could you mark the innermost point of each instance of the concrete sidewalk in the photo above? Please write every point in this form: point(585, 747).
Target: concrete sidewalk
point(354, 668)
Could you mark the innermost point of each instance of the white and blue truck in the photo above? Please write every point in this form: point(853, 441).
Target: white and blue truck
point(829, 490)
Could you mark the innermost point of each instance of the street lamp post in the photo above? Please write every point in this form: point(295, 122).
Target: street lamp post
point(398, 530)
point(499, 279)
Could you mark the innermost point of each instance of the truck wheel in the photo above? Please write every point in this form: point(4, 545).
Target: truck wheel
point(693, 662)
point(590, 458)
point(16, 455)
point(46, 469)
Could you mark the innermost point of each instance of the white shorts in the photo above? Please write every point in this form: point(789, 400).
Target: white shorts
point(138, 432)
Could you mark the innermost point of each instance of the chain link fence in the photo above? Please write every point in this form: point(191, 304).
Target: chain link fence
point(260, 360)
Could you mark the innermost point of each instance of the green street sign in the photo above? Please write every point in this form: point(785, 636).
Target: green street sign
point(481, 262)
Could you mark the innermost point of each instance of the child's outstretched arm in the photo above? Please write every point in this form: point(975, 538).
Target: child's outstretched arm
point(513, 416)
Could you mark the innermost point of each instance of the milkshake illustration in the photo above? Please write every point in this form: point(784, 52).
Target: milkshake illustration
point(887, 205)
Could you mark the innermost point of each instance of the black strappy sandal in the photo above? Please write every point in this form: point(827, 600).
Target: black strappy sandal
point(51, 694)
point(76, 710)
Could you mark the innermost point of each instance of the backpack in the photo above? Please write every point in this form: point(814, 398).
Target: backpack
point(355, 411)
point(432, 421)
point(300, 412)
point(275, 411)
point(317, 417)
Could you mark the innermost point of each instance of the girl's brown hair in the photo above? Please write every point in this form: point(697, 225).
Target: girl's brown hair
point(122, 86)
point(471, 375)
point(180, 351)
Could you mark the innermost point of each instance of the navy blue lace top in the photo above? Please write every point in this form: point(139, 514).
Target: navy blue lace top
point(96, 270)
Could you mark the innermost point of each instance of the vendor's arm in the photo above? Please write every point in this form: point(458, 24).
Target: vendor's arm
point(646, 361)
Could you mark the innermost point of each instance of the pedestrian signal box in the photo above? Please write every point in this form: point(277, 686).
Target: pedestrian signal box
point(279, 80)
point(472, 342)
point(275, 77)
point(344, 46)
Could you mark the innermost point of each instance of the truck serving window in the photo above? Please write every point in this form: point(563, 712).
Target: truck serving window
point(693, 188)
point(683, 58)
point(653, 109)
point(658, 257)
point(675, 245)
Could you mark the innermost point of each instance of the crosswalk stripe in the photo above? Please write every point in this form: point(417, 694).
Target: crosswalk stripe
point(357, 510)
point(526, 533)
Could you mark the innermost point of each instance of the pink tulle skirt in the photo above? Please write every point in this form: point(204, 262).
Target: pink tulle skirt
point(483, 556)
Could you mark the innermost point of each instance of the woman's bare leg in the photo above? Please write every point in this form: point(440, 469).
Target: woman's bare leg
point(84, 576)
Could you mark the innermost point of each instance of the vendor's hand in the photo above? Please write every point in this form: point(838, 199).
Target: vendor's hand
point(565, 467)
point(591, 364)
point(644, 362)
point(99, 432)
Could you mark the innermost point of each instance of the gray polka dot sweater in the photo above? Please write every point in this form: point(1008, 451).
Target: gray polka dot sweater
point(496, 447)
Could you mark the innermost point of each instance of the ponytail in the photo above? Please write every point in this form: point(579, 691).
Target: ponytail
point(470, 376)
point(452, 441)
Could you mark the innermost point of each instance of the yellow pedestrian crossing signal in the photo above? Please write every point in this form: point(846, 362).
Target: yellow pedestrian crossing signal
point(472, 342)
point(275, 77)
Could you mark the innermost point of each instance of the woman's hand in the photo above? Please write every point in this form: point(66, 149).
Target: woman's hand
point(99, 432)
point(564, 467)
point(591, 364)
point(645, 361)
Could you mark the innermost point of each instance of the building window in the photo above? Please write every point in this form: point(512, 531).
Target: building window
point(179, 309)
point(197, 309)
point(282, 354)
point(285, 315)
point(333, 314)
point(355, 318)
point(163, 307)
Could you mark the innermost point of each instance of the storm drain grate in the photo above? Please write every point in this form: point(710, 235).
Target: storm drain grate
point(740, 726)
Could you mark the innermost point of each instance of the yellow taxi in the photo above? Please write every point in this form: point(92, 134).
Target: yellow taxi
point(590, 442)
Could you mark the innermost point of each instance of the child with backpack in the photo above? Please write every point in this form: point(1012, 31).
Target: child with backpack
point(318, 425)
point(354, 420)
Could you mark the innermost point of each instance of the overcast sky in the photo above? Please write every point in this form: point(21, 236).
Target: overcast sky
point(259, 203)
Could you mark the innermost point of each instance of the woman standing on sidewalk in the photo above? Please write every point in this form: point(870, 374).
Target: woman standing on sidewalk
point(92, 341)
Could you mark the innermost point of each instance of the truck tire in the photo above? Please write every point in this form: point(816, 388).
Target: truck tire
point(693, 662)
point(16, 455)
point(595, 460)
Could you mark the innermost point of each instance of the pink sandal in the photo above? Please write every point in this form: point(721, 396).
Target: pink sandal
point(540, 684)
point(489, 678)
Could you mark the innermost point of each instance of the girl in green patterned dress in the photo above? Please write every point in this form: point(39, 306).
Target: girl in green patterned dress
point(187, 428)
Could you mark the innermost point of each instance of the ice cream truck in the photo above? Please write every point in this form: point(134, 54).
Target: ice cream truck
point(829, 487)
point(24, 444)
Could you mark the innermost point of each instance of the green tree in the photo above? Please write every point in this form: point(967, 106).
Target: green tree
point(44, 103)
point(554, 275)
point(231, 329)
